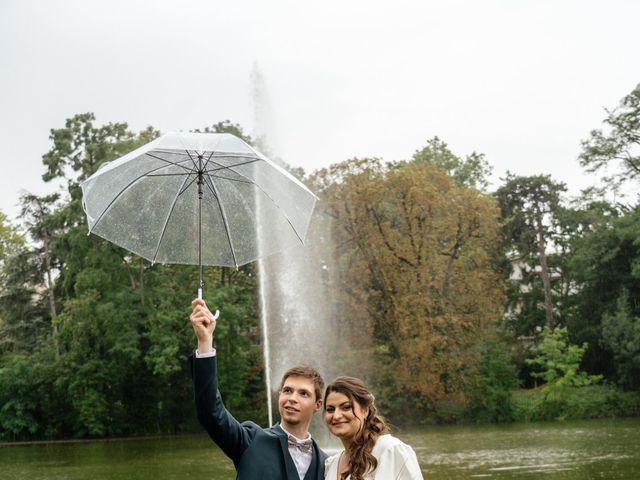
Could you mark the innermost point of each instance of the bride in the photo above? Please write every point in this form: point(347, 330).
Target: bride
point(370, 452)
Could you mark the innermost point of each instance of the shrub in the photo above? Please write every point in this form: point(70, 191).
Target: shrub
point(592, 401)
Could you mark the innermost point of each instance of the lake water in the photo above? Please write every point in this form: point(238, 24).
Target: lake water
point(597, 449)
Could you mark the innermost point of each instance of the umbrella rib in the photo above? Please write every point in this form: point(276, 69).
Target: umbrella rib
point(268, 196)
point(204, 167)
point(220, 153)
point(168, 161)
point(241, 198)
point(225, 221)
point(135, 180)
point(166, 221)
point(230, 168)
point(236, 155)
point(214, 153)
point(184, 189)
point(208, 172)
point(171, 152)
point(195, 165)
point(283, 213)
point(187, 173)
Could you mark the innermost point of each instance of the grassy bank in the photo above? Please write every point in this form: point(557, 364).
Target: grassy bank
point(540, 404)
point(572, 403)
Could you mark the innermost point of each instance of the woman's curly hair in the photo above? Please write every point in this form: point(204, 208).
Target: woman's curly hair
point(361, 460)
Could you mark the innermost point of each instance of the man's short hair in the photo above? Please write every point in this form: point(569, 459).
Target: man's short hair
point(306, 372)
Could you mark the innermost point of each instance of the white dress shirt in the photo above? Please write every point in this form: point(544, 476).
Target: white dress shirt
point(301, 459)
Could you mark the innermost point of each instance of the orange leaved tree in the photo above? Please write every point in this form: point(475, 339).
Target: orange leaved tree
point(414, 249)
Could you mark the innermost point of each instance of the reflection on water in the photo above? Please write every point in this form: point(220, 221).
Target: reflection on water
point(570, 450)
point(553, 451)
point(167, 458)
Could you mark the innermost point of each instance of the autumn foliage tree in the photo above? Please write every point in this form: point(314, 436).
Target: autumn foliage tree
point(420, 245)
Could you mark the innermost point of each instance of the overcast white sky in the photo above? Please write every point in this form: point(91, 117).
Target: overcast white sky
point(521, 81)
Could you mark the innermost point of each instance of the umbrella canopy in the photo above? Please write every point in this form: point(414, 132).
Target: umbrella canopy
point(197, 198)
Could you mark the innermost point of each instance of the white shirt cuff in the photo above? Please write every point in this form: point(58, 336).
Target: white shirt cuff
point(206, 355)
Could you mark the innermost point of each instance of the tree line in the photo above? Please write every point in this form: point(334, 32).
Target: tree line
point(456, 296)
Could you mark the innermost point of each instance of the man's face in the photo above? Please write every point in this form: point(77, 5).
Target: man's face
point(297, 401)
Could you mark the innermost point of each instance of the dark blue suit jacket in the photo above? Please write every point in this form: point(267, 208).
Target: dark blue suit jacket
point(257, 453)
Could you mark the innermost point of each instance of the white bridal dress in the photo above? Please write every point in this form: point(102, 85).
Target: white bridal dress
point(396, 461)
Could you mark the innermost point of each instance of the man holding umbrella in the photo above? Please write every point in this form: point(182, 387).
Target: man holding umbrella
point(284, 451)
point(212, 199)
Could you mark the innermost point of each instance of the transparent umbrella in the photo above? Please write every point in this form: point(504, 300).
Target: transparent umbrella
point(197, 198)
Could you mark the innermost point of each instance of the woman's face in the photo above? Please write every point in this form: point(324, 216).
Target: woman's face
point(344, 417)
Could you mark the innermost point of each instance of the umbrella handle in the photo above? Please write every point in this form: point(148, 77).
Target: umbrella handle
point(215, 315)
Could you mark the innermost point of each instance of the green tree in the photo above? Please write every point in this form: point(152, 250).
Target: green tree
point(10, 239)
point(618, 142)
point(18, 398)
point(621, 335)
point(23, 319)
point(120, 366)
point(79, 148)
point(20, 318)
point(530, 207)
point(491, 389)
point(472, 171)
point(227, 126)
point(558, 362)
point(11, 242)
point(37, 217)
point(603, 263)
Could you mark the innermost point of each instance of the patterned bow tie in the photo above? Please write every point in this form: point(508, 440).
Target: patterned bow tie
point(303, 446)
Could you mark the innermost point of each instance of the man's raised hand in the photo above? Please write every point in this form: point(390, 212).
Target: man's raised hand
point(204, 324)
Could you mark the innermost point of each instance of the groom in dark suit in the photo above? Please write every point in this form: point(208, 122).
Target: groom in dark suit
point(282, 452)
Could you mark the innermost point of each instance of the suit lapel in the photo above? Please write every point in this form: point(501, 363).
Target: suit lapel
point(292, 472)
